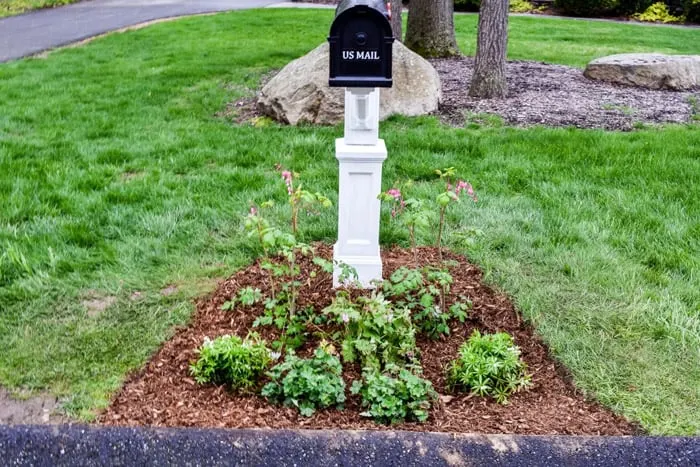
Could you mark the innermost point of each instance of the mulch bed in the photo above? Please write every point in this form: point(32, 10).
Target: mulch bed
point(164, 394)
point(558, 96)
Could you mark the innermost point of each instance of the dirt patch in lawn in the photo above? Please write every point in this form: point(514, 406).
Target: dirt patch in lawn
point(38, 409)
point(164, 394)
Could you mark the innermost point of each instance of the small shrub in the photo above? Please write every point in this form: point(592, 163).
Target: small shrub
point(520, 6)
point(375, 332)
point(657, 13)
point(307, 384)
point(231, 360)
point(395, 396)
point(489, 365)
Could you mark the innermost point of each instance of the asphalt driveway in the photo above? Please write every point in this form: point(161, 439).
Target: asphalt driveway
point(41, 30)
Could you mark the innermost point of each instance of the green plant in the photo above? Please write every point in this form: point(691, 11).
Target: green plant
point(423, 292)
point(307, 384)
point(410, 212)
point(694, 108)
point(415, 214)
point(395, 395)
point(489, 365)
point(375, 332)
point(247, 296)
point(520, 6)
point(657, 13)
point(299, 198)
point(451, 194)
point(231, 360)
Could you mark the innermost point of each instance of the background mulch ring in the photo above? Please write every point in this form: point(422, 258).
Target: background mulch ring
point(539, 94)
point(164, 394)
point(560, 96)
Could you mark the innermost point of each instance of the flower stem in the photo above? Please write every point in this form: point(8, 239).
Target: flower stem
point(439, 235)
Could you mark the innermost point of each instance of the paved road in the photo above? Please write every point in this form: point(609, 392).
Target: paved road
point(45, 29)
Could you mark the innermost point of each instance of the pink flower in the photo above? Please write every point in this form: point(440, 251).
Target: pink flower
point(394, 193)
point(253, 211)
point(287, 177)
point(465, 186)
point(345, 318)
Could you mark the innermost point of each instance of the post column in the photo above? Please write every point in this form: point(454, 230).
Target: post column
point(360, 155)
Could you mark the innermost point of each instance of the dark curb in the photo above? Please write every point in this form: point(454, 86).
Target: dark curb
point(92, 445)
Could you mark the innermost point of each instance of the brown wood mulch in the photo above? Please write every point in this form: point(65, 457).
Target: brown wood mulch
point(164, 394)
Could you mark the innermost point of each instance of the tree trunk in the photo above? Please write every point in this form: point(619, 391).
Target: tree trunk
point(396, 25)
point(431, 30)
point(489, 80)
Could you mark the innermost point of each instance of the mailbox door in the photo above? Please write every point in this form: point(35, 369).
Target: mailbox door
point(361, 42)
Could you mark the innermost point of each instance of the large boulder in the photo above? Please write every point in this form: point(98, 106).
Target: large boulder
point(653, 71)
point(300, 93)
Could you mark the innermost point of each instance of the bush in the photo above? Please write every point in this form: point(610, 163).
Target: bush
point(489, 365)
point(307, 384)
point(395, 396)
point(520, 6)
point(231, 360)
point(587, 7)
point(658, 12)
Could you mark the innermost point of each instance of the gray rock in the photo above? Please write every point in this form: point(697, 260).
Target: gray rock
point(653, 71)
point(300, 93)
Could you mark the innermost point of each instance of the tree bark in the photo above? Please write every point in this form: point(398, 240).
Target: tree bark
point(431, 31)
point(489, 79)
point(396, 26)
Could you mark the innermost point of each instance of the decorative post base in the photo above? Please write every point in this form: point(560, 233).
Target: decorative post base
point(359, 210)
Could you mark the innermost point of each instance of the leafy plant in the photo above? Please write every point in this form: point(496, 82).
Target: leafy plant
point(281, 308)
point(247, 296)
point(415, 214)
point(489, 365)
point(307, 384)
point(423, 291)
point(231, 360)
point(451, 194)
point(299, 198)
point(396, 395)
point(657, 13)
point(375, 332)
point(520, 6)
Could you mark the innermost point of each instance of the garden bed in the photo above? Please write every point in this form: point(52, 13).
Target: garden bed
point(164, 393)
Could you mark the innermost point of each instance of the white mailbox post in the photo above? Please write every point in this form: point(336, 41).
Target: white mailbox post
point(360, 61)
point(360, 155)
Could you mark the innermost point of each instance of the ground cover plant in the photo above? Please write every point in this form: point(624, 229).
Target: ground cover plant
point(120, 193)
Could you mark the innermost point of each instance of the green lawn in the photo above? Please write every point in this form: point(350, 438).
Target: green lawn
point(14, 7)
point(116, 177)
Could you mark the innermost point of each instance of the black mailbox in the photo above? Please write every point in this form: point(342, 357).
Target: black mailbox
point(360, 45)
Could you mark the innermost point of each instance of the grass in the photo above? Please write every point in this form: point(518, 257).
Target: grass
point(15, 7)
point(116, 177)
